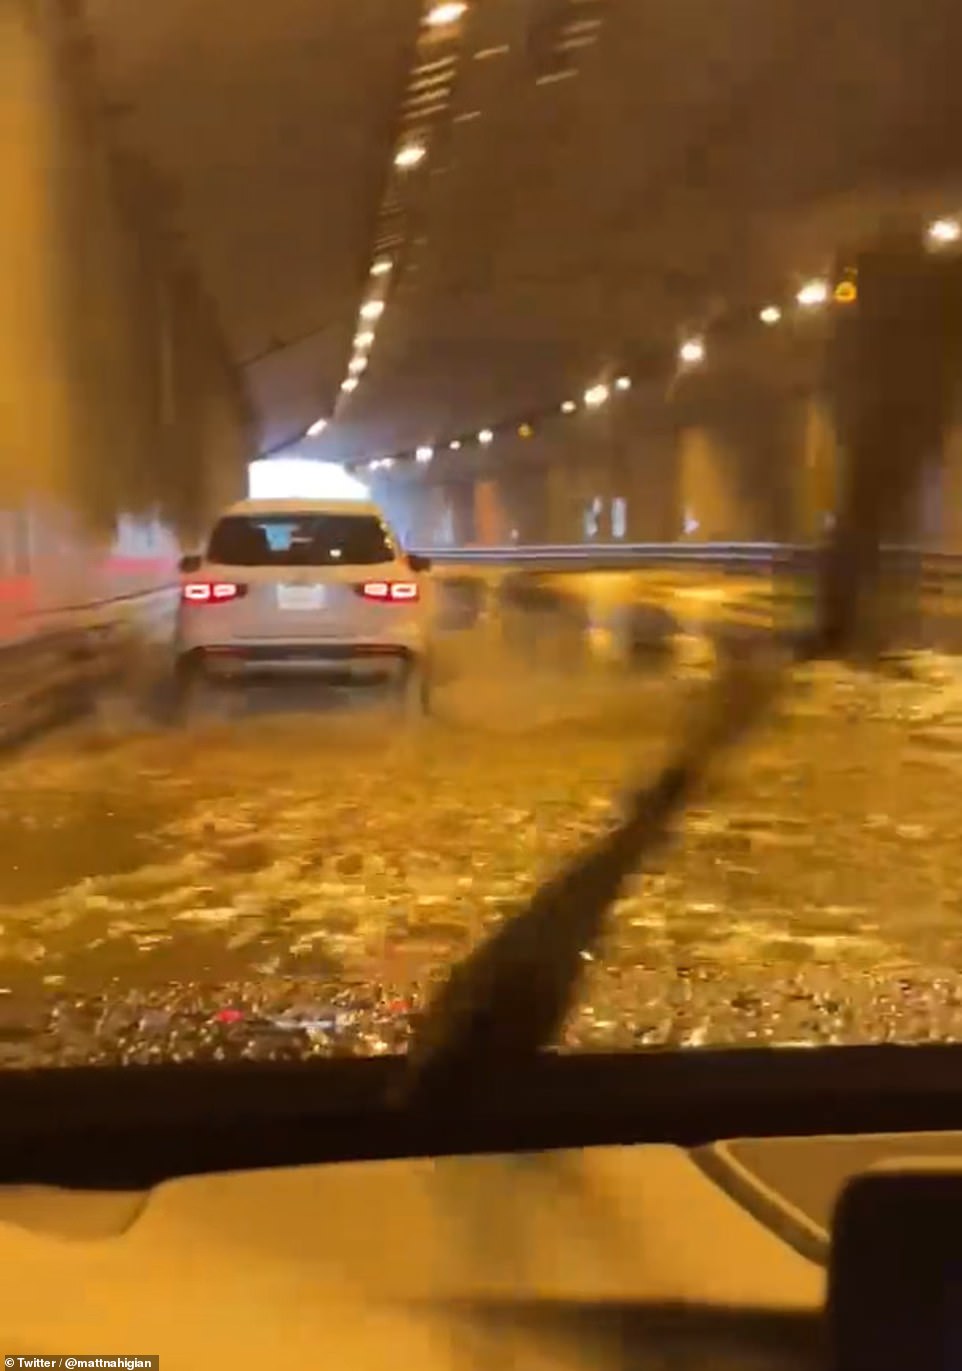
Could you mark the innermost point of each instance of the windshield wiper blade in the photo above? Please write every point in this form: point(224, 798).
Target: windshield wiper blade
point(510, 996)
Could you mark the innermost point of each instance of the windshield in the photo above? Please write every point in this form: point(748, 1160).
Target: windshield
point(619, 315)
point(300, 540)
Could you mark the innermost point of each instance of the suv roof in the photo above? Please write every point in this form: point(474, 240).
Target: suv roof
point(360, 507)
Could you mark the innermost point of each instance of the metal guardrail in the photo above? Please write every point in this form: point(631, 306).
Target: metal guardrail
point(49, 672)
point(614, 553)
point(740, 557)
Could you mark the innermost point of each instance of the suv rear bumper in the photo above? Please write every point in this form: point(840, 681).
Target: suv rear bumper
point(298, 661)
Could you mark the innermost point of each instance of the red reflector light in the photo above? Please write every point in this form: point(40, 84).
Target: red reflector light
point(206, 592)
point(229, 1016)
point(390, 590)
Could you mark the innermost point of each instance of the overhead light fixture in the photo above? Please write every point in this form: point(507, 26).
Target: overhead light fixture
point(410, 155)
point(525, 431)
point(372, 309)
point(382, 266)
point(349, 383)
point(364, 339)
point(623, 383)
point(455, 446)
point(944, 231)
point(770, 314)
point(692, 352)
point(387, 462)
point(845, 293)
point(568, 407)
point(486, 436)
point(357, 365)
point(317, 428)
point(596, 396)
point(424, 454)
point(448, 13)
point(813, 294)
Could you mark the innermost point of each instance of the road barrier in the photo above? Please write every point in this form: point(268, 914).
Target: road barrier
point(64, 657)
point(704, 587)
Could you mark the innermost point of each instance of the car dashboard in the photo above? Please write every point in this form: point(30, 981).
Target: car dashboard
point(650, 1255)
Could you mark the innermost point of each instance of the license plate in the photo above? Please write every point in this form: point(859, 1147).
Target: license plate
point(300, 597)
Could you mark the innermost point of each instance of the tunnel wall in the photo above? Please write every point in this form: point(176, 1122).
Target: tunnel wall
point(122, 423)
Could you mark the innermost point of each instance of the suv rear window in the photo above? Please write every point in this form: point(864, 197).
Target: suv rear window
point(300, 540)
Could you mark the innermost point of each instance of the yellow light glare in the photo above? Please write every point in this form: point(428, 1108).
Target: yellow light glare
point(364, 339)
point(596, 396)
point(448, 13)
point(410, 155)
point(771, 314)
point(349, 384)
point(486, 436)
point(357, 365)
point(382, 267)
point(813, 294)
point(373, 309)
point(692, 352)
point(944, 231)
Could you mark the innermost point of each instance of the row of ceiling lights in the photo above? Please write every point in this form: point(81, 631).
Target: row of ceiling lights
point(409, 155)
point(593, 398)
point(811, 295)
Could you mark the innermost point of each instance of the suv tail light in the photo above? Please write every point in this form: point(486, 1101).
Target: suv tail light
point(211, 592)
point(390, 590)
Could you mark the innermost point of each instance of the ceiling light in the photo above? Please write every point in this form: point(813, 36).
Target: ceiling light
point(691, 352)
point(486, 436)
point(596, 396)
point(845, 293)
point(373, 309)
point(317, 428)
point(448, 13)
point(357, 365)
point(455, 446)
point(944, 231)
point(350, 383)
point(387, 462)
point(525, 431)
point(813, 293)
point(424, 454)
point(410, 155)
point(568, 407)
point(770, 314)
point(382, 267)
point(623, 383)
point(364, 339)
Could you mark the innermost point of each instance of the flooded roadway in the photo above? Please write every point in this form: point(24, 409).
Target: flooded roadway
point(289, 882)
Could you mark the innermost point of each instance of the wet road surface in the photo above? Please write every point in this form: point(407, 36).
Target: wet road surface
point(288, 883)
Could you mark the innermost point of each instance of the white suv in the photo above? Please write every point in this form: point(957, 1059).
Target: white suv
point(295, 589)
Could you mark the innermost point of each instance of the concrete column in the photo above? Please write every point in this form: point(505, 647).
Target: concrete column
point(710, 507)
point(818, 470)
point(949, 537)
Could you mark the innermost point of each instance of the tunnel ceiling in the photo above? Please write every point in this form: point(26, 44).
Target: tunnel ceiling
point(600, 176)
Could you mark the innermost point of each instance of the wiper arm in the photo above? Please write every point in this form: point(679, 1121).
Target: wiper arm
point(511, 995)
